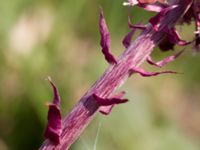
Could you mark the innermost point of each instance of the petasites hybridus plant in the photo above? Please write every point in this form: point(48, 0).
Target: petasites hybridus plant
point(101, 96)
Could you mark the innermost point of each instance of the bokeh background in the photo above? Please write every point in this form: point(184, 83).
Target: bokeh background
point(60, 39)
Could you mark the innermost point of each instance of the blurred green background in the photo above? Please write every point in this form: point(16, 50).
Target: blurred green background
point(60, 39)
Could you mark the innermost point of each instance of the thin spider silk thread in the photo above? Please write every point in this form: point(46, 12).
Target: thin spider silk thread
point(97, 135)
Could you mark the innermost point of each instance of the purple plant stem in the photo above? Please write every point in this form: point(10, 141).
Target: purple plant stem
point(85, 110)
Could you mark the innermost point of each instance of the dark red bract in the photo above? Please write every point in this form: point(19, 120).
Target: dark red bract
point(54, 126)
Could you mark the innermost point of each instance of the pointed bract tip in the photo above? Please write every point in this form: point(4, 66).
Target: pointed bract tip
point(56, 99)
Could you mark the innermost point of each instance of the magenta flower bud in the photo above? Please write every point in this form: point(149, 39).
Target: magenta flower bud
point(54, 126)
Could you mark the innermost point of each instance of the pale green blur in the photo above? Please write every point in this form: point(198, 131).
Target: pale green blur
point(60, 39)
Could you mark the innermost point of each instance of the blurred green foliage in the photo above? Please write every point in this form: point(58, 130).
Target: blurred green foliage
point(61, 39)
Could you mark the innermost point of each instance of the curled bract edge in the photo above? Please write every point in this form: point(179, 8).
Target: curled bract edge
point(144, 73)
point(105, 39)
point(165, 61)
